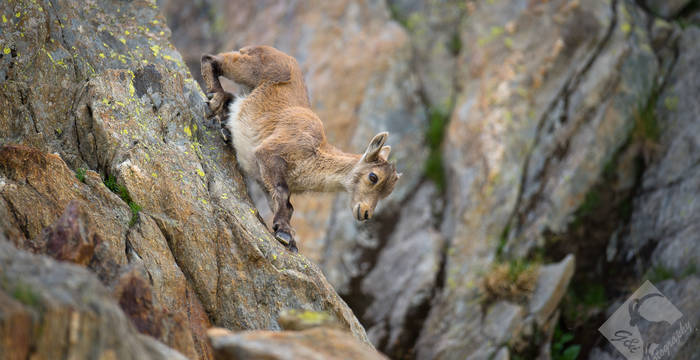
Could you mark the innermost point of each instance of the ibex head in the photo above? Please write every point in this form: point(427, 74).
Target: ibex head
point(373, 178)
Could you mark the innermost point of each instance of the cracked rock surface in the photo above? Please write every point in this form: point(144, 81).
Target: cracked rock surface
point(544, 101)
point(92, 93)
point(53, 310)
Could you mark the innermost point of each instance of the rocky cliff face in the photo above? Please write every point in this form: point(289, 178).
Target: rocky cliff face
point(106, 161)
point(564, 129)
point(543, 143)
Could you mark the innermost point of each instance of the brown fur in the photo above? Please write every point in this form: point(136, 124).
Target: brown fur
point(281, 142)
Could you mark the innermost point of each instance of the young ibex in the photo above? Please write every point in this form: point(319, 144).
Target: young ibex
point(280, 141)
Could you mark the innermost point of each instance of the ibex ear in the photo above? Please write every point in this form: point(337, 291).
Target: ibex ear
point(279, 73)
point(384, 152)
point(375, 146)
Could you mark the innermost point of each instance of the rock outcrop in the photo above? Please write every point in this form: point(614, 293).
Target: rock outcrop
point(106, 161)
point(53, 310)
point(317, 343)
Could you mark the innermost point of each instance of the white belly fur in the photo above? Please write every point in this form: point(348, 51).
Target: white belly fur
point(243, 138)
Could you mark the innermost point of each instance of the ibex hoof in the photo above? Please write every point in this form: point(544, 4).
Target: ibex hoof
point(293, 246)
point(283, 237)
point(226, 135)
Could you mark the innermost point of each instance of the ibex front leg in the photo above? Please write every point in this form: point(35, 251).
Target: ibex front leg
point(219, 99)
point(272, 171)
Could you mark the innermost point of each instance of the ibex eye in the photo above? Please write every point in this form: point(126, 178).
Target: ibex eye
point(373, 178)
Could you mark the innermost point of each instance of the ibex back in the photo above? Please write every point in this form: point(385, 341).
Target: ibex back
point(280, 141)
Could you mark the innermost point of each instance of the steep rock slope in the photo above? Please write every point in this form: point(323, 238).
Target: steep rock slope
point(44, 316)
point(94, 98)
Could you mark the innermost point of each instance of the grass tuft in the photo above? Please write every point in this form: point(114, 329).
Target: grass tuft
point(455, 44)
point(395, 13)
point(658, 274)
point(111, 183)
point(514, 280)
point(80, 174)
point(25, 294)
point(434, 168)
point(502, 241)
point(590, 203)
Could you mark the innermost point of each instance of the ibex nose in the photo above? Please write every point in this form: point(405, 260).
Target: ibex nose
point(362, 213)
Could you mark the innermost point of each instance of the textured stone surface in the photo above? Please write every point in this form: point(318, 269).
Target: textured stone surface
point(305, 319)
point(551, 286)
point(318, 343)
point(50, 310)
point(97, 86)
point(666, 216)
point(537, 120)
point(393, 297)
point(667, 8)
point(664, 220)
point(502, 321)
point(433, 27)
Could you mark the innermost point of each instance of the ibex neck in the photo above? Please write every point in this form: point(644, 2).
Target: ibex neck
point(335, 168)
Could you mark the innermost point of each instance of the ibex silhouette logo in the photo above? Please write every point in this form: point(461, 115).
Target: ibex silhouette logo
point(647, 326)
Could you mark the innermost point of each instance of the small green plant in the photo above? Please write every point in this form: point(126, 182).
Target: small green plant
point(135, 208)
point(560, 349)
point(590, 203)
point(646, 125)
point(502, 241)
point(395, 13)
point(594, 296)
point(80, 174)
point(659, 273)
point(583, 299)
point(434, 168)
point(517, 267)
point(25, 294)
point(111, 184)
point(455, 44)
point(691, 269)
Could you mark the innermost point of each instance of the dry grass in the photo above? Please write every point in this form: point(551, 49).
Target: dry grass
point(513, 281)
